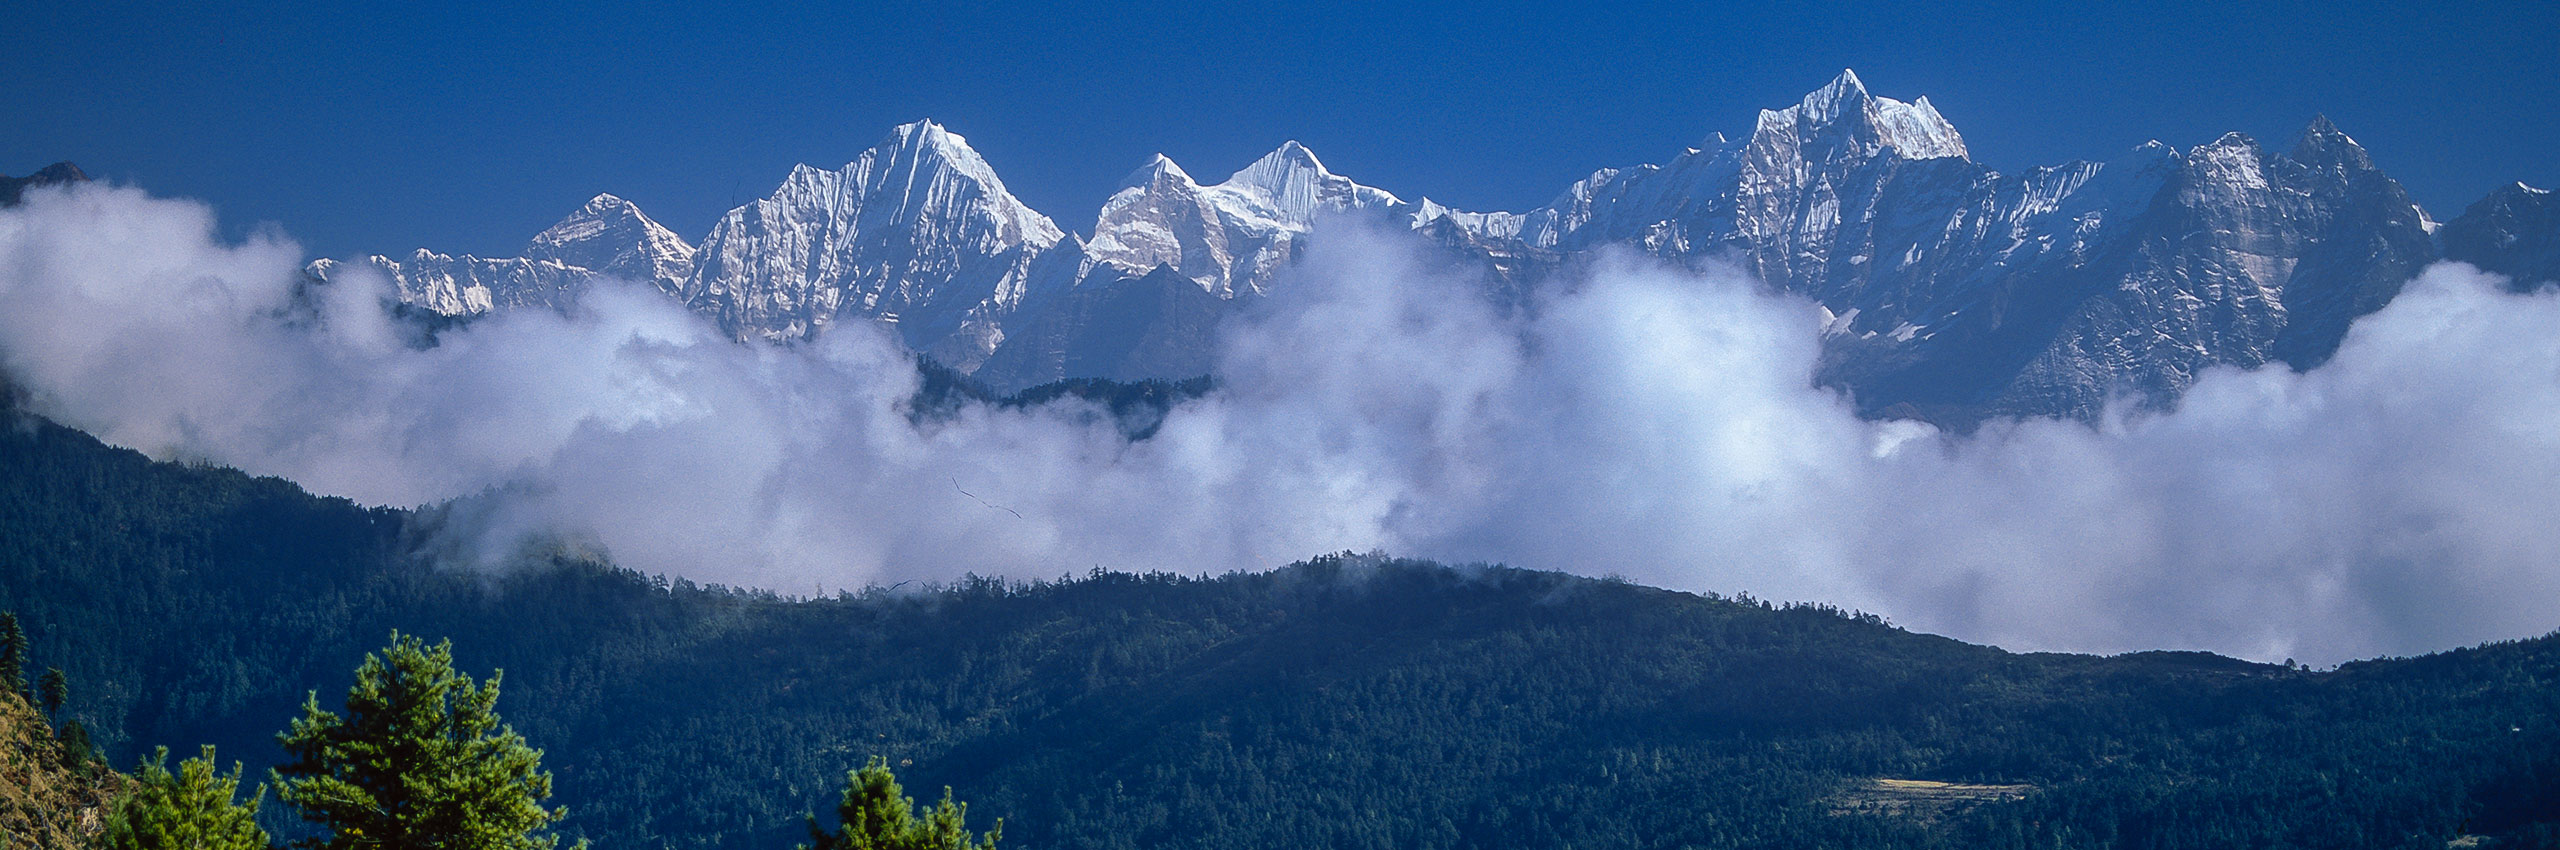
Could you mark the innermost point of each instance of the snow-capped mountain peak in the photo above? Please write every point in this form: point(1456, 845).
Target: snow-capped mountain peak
point(1230, 237)
point(612, 236)
point(1290, 185)
point(1159, 167)
point(2232, 162)
point(916, 155)
point(1844, 95)
point(1918, 130)
point(917, 232)
point(1843, 111)
point(1274, 171)
point(1159, 217)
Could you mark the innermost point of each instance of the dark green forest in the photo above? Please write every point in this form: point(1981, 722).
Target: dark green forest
point(1347, 701)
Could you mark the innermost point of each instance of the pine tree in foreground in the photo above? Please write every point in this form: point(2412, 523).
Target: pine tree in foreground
point(419, 761)
point(52, 690)
point(877, 815)
point(193, 809)
point(13, 655)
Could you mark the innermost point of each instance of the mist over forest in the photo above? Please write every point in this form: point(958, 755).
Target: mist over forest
point(1635, 420)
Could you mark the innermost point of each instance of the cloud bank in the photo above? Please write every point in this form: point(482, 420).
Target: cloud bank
point(1644, 422)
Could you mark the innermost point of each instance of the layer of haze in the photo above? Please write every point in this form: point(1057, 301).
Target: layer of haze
point(1643, 422)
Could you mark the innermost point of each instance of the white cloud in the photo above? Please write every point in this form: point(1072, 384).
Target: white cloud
point(1651, 423)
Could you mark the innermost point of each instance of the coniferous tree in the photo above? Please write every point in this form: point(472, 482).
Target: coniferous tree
point(193, 809)
point(877, 815)
point(420, 760)
point(13, 654)
point(52, 690)
point(77, 753)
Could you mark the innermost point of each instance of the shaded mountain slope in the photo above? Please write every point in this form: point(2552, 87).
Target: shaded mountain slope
point(1346, 701)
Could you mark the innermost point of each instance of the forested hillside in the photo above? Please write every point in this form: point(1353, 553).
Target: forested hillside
point(1343, 702)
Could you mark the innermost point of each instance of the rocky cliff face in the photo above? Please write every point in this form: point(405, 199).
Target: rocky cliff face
point(1957, 292)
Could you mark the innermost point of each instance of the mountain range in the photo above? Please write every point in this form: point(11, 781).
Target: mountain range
point(1955, 292)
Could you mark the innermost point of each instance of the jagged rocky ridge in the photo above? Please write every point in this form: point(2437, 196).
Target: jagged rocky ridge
point(1957, 292)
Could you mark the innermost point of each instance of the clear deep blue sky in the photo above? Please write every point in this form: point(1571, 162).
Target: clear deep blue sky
point(469, 125)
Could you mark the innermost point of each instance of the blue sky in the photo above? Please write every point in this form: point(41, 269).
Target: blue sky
point(467, 126)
